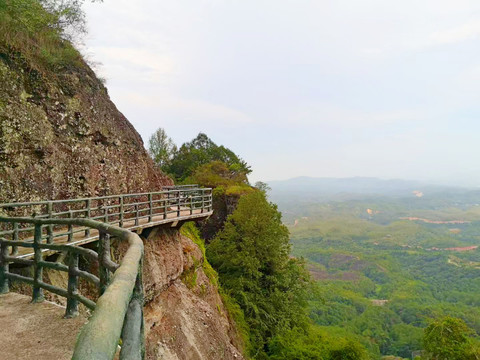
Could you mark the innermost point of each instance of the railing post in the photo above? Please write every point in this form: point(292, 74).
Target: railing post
point(72, 302)
point(4, 288)
point(136, 214)
point(150, 202)
point(70, 226)
point(203, 200)
point(88, 214)
point(105, 218)
point(164, 208)
point(178, 203)
point(210, 200)
point(15, 238)
point(121, 211)
point(191, 203)
point(50, 226)
point(103, 258)
point(168, 204)
point(38, 271)
point(133, 332)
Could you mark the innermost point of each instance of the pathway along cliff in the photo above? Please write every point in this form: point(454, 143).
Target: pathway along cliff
point(61, 137)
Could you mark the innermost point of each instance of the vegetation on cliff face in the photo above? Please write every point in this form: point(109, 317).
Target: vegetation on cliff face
point(41, 30)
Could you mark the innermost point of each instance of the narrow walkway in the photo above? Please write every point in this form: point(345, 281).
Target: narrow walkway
point(35, 331)
point(79, 238)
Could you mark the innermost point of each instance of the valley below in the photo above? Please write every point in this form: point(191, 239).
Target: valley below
point(385, 266)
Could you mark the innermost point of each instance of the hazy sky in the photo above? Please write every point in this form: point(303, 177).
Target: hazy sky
point(296, 87)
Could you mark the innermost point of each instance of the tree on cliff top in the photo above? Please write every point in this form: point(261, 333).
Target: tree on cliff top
point(201, 151)
point(161, 148)
point(217, 173)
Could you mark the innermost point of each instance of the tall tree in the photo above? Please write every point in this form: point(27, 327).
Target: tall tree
point(161, 148)
point(251, 255)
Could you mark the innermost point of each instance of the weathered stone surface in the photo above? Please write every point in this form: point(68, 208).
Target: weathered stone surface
point(223, 205)
point(183, 322)
point(181, 325)
point(61, 137)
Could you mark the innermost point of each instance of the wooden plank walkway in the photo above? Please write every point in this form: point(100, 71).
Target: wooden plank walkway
point(36, 331)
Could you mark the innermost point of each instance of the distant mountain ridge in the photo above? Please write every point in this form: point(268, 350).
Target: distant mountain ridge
point(325, 189)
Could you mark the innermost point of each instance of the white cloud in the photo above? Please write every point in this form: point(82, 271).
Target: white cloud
point(468, 31)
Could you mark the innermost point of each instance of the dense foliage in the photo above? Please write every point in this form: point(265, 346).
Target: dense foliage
point(202, 151)
point(251, 255)
point(218, 173)
point(201, 162)
point(315, 344)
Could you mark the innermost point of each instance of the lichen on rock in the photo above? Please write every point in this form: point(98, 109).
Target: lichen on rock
point(62, 137)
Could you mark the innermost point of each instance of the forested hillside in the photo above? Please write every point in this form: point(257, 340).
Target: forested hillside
point(386, 267)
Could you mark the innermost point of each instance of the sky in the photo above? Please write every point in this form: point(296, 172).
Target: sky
point(319, 88)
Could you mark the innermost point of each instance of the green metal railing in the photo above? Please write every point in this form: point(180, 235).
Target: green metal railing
point(129, 211)
point(29, 230)
point(118, 312)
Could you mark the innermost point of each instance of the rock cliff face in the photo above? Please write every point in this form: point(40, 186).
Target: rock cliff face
point(185, 318)
point(223, 205)
point(62, 137)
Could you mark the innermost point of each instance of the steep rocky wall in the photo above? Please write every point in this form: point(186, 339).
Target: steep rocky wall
point(185, 318)
point(62, 137)
point(223, 205)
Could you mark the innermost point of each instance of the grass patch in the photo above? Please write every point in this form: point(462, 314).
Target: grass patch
point(237, 316)
point(189, 277)
point(29, 32)
point(235, 313)
point(190, 230)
